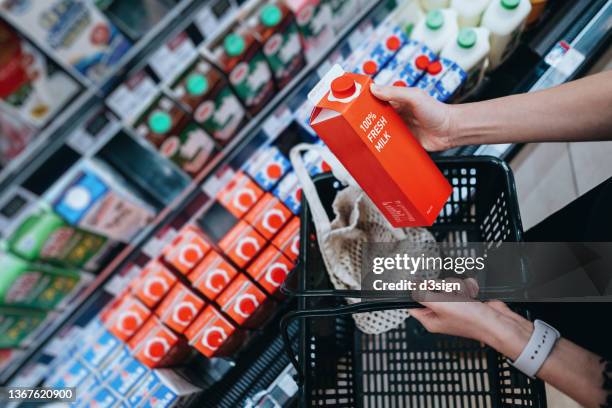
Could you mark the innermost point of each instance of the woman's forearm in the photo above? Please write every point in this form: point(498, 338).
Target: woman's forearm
point(569, 368)
point(577, 111)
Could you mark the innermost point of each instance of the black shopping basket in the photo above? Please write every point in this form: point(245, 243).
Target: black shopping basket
point(340, 366)
point(483, 208)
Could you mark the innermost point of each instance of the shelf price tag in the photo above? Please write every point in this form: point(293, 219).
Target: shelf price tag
point(212, 16)
point(131, 97)
point(173, 57)
point(277, 122)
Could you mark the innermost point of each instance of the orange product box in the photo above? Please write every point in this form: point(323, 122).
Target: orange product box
point(128, 315)
point(157, 346)
point(180, 308)
point(241, 301)
point(288, 240)
point(212, 334)
point(268, 216)
point(240, 194)
point(377, 149)
point(187, 249)
point(153, 283)
point(242, 243)
point(270, 269)
point(212, 275)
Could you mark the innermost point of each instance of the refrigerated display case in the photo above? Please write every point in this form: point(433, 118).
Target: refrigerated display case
point(101, 125)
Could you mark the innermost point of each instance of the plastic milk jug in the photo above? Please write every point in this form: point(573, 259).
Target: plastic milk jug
point(505, 19)
point(469, 50)
point(469, 12)
point(429, 5)
point(437, 29)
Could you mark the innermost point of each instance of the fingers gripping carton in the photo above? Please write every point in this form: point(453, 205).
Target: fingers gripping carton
point(377, 148)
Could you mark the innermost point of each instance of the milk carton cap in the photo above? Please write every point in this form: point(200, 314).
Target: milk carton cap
point(234, 45)
point(466, 38)
point(197, 84)
point(270, 15)
point(510, 4)
point(160, 122)
point(434, 20)
point(319, 91)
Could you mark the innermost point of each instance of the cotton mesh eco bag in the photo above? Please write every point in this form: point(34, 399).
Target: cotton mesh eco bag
point(357, 222)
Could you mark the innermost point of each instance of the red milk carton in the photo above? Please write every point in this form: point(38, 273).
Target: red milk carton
point(288, 240)
point(154, 282)
point(127, 316)
point(377, 149)
point(243, 301)
point(242, 244)
point(187, 249)
point(157, 346)
point(270, 269)
point(212, 334)
point(240, 194)
point(268, 216)
point(180, 308)
point(212, 275)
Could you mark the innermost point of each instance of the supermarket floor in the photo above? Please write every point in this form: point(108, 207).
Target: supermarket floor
point(551, 175)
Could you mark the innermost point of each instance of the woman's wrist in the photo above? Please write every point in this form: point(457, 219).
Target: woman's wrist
point(509, 335)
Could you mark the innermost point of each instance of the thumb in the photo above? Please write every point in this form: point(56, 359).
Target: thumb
point(398, 94)
point(426, 317)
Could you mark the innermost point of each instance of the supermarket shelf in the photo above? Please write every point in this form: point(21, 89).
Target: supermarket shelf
point(95, 290)
point(587, 27)
point(54, 134)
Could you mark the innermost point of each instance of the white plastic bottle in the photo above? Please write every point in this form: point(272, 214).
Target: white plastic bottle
point(506, 20)
point(429, 5)
point(438, 28)
point(470, 51)
point(469, 12)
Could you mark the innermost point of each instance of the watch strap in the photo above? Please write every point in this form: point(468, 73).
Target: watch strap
point(539, 346)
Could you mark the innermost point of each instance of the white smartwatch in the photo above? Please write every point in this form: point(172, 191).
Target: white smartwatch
point(538, 348)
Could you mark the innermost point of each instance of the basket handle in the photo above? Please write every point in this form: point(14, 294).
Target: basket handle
point(338, 311)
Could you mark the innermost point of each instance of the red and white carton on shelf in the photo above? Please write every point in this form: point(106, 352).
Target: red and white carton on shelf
point(153, 283)
point(242, 243)
point(240, 194)
point(288, 240)
point(268, 216)
point(187, 249)
point(180, 308)
point(241, 301)
point(270, 269)
point(212, 334)
point(212, 275)
point(376, 147)
point(157, 346)
point(127, 315)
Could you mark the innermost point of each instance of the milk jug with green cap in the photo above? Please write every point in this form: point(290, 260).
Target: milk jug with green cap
point(469, 50)
point(506, 20)
point(469, 12)
point(437, 29)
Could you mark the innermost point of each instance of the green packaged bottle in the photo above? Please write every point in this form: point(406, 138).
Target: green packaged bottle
point(32, 285)
point(16, 324)
point(45, 237)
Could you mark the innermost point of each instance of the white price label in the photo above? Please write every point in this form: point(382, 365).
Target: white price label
point(172, 58)
point(131, 97)
point(277, 122)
